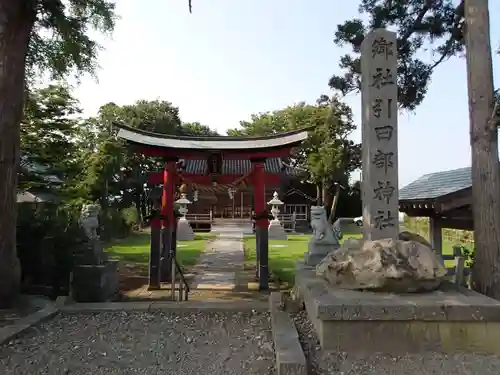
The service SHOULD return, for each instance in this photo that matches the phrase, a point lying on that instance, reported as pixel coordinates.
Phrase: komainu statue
(324, 240)
(323, 231)
(89, 220)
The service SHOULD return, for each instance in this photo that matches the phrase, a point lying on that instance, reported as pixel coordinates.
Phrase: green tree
(440, 25)
(416, 22)
(36, 36)
(48, 130)
(196, 129)
(114, 170)
(328, 155)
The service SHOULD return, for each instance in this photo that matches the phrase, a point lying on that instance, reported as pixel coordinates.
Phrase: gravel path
(323, 363)
(144, 343)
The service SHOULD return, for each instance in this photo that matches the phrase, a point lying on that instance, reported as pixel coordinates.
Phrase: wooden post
(261, 234)
(241, 204)
(435, 234)
(459, 267)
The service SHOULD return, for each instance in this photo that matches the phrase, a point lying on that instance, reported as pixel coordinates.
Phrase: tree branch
(417, 22)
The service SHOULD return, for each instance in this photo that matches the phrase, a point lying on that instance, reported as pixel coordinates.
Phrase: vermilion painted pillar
(262, 222)
(168, 220)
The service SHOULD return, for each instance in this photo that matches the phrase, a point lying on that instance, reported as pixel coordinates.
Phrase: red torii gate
(214, 149)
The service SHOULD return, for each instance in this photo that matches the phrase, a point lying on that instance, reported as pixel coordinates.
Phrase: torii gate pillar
(261, 223)
(168, 222)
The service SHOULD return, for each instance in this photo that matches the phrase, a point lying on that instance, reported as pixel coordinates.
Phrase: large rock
(410, 236)
(385, 265)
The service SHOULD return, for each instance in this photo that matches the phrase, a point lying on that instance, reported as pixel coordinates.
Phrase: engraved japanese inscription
(382, 46)
(384, 133)
(383, 160)
(384, 191)
(382, 77)
(384, 219)
(379, 134)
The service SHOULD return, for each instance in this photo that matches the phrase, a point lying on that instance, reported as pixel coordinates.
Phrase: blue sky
(230, 59)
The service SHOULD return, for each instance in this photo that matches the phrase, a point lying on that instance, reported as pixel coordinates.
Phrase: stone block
(276, 231)
(446, 319)
(316, 253)
(95, 283)
(184, 230)
(10, 332)
(290, 359)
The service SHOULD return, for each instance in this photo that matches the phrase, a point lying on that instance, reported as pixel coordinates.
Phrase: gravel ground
(144, 343)
(323, 363)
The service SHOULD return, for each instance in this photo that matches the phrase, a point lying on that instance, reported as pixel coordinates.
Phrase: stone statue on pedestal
(89, 220)
(95, 278)
(323, 240)
(93, 249)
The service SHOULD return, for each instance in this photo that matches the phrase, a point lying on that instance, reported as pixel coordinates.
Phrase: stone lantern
(184, 230)
(276, 230)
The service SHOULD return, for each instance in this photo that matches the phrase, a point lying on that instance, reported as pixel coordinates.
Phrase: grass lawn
(134, 250)
(282, 260)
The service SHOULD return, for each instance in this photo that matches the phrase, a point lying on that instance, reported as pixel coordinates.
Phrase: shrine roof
(211, 143)
(438, 184)
(240, 167)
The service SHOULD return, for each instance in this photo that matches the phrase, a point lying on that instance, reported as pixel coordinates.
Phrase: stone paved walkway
(219, 263)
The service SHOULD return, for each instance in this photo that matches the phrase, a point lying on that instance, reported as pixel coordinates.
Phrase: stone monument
(184, 230)
(361, 297)
(95, 278)
(275, 229)
(383, 260)
(379, 135)
(323, 239)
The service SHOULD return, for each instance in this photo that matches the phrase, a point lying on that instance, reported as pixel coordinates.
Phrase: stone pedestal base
(90, 252)
(276, 231)
(95, 283)
(316, 253)
(446, 320)
(184, 230)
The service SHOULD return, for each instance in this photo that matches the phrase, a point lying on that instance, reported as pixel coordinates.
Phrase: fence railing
(200, 217)
(460, 271)
(454, 236)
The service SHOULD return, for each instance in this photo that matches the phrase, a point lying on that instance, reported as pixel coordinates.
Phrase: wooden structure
(214, 152)
(445, 198)
(226, 200)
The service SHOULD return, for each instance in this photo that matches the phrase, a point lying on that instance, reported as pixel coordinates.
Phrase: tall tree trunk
(16, 23)
(335, 202)
(325, 194)
(143, 209)
(319, 194)
(484, 145)
(138, 203)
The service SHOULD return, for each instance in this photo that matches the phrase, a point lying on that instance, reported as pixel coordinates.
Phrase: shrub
(131, 217)
(116, 223)
(47, 236)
